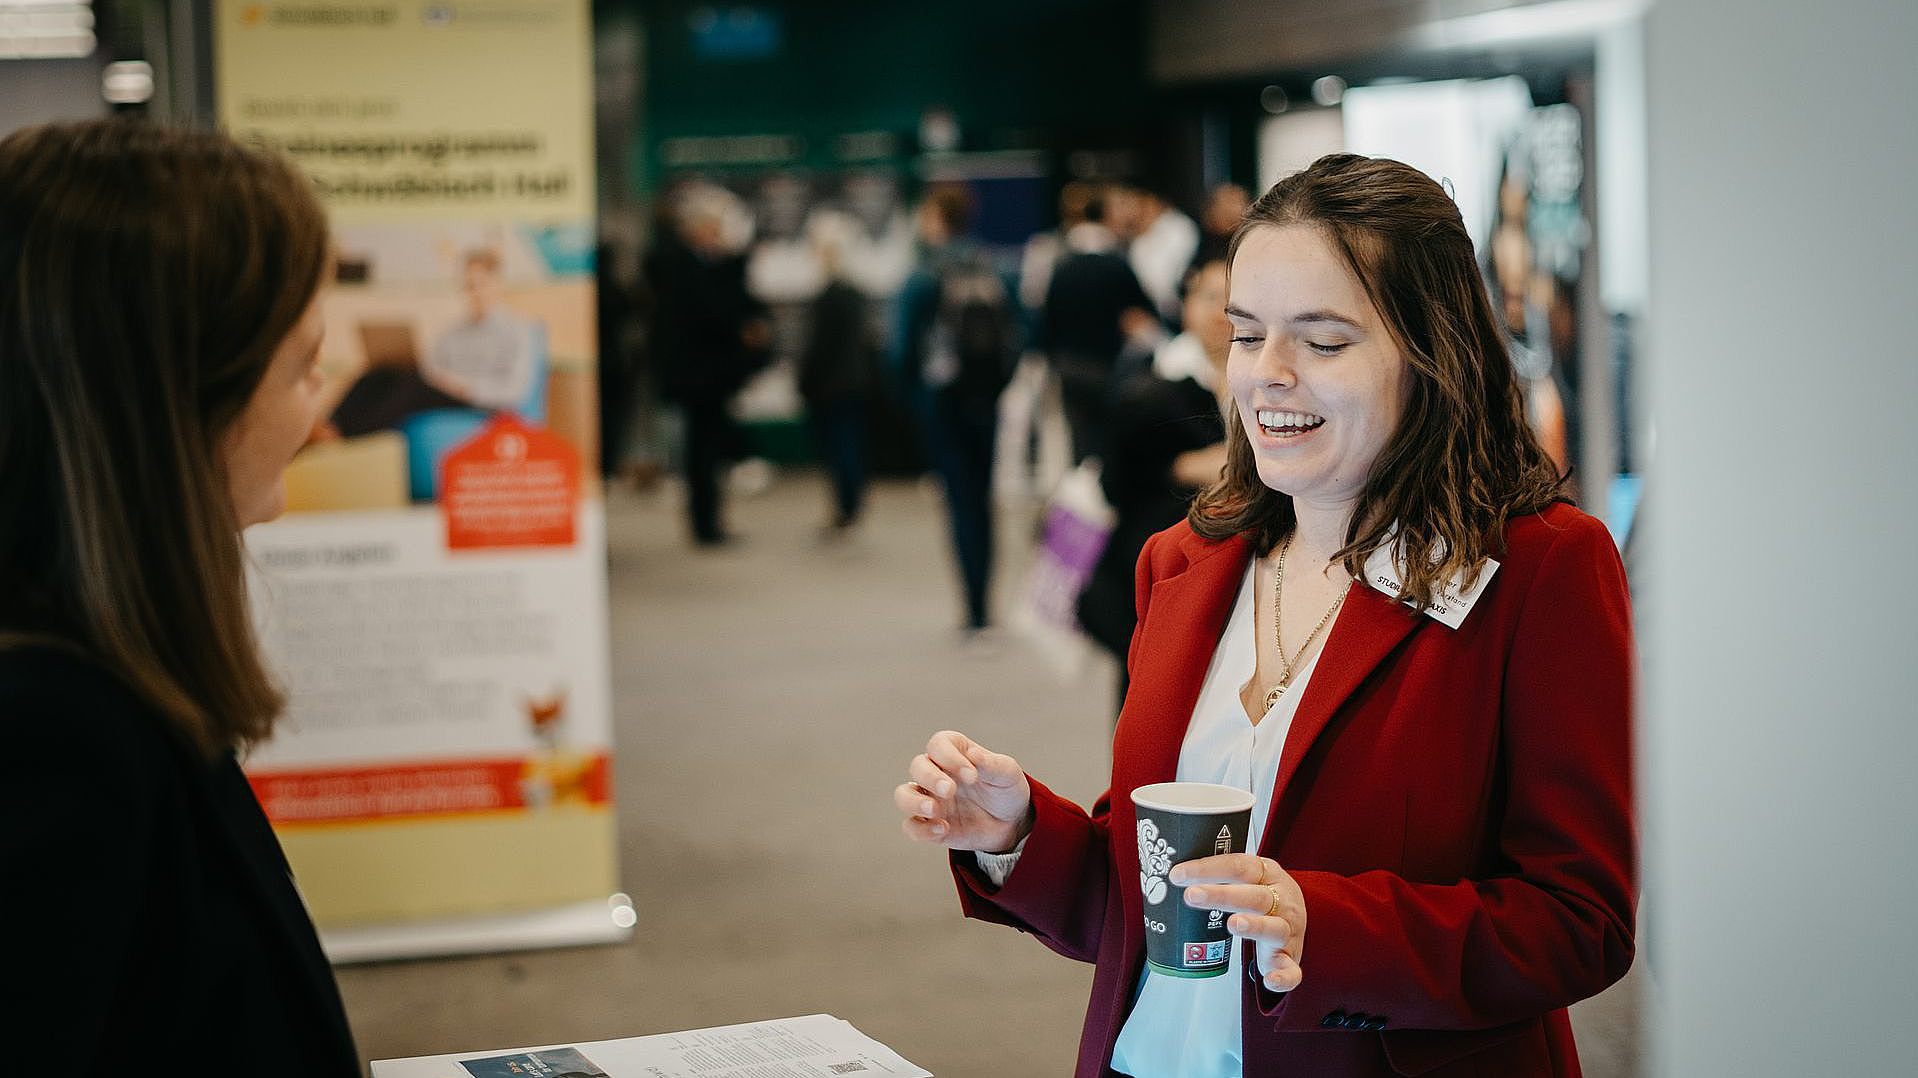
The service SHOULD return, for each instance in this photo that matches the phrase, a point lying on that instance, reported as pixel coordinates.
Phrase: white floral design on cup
(1155, 860)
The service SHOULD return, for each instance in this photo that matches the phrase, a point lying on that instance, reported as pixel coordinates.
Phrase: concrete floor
(769, 695)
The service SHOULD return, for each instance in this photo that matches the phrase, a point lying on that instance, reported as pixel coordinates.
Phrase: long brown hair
(1463, 459)
(147, 276)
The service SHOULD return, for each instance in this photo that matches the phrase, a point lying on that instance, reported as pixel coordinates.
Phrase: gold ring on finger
(1274, 910)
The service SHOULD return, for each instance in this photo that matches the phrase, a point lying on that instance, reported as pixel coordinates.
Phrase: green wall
(1019, 74)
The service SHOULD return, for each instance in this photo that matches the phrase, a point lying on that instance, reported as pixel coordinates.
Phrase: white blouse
(1189, 1028)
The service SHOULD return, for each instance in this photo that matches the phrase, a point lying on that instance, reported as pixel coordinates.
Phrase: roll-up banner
(434, 600)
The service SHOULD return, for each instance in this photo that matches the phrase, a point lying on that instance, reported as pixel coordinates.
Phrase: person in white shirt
(1387, 625)
(486, 358)
(1162, 244)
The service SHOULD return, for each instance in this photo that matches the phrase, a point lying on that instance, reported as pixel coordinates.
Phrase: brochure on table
(815, 1046)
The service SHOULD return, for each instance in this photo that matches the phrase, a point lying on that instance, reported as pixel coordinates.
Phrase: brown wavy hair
(147, 276)
(1463, 459)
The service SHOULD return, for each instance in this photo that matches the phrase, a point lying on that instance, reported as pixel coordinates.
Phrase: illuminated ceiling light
(1328, 91)
(45, 29)
(1560, 20)
(127, 82)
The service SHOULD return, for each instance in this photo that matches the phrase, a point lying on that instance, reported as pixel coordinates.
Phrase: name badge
(1452, 602)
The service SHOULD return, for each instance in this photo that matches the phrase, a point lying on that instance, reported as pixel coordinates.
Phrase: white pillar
(1781, 728)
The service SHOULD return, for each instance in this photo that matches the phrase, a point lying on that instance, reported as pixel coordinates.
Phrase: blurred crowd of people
(1110, 321)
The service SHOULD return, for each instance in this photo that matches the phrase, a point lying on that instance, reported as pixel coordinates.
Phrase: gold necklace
(1278, 629)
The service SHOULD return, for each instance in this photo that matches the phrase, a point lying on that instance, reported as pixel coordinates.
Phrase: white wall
(1781, 732)
(1456, 132)
(1293, 140)
(1621, 138)
(41, 91)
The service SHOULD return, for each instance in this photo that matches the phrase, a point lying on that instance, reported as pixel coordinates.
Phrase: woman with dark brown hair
(1384, 624)
(159, 331)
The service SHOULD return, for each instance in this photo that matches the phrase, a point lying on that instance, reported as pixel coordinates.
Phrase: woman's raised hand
(963, 796)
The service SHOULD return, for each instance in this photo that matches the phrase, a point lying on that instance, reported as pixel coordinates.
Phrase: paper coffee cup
(1184, 821)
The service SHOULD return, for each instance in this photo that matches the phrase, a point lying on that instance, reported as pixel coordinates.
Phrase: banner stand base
(594, 921)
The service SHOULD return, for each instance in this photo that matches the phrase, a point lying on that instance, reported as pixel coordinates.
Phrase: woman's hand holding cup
(1266, 904)
(963, 796)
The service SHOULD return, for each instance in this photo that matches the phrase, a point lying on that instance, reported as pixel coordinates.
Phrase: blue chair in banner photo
(431, 435)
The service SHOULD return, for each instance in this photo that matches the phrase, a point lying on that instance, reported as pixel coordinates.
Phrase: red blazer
(1455, 803)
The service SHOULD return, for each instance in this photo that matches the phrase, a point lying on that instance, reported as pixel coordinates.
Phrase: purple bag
(1078, 522)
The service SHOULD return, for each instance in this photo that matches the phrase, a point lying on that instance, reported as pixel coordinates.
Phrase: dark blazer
(702, 307)
(1150, 422)
(1088, 294)
(1454, 803)
(841, 359)
(151, 922)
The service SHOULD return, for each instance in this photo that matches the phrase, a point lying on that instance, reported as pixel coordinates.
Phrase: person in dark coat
(159, 335)
(1092, 302)
(838, 371)
(956, 342)
(1167, 440)
(709, 338)
(619, 363)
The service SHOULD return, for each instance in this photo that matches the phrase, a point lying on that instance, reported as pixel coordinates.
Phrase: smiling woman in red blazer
(1386, 624)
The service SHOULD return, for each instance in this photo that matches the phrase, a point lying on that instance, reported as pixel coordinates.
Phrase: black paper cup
(1184, 821)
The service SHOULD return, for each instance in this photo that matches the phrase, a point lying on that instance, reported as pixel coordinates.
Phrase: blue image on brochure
(552, 1063)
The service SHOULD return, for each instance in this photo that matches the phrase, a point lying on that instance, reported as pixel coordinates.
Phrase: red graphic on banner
(512, 485)
(433, 789)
